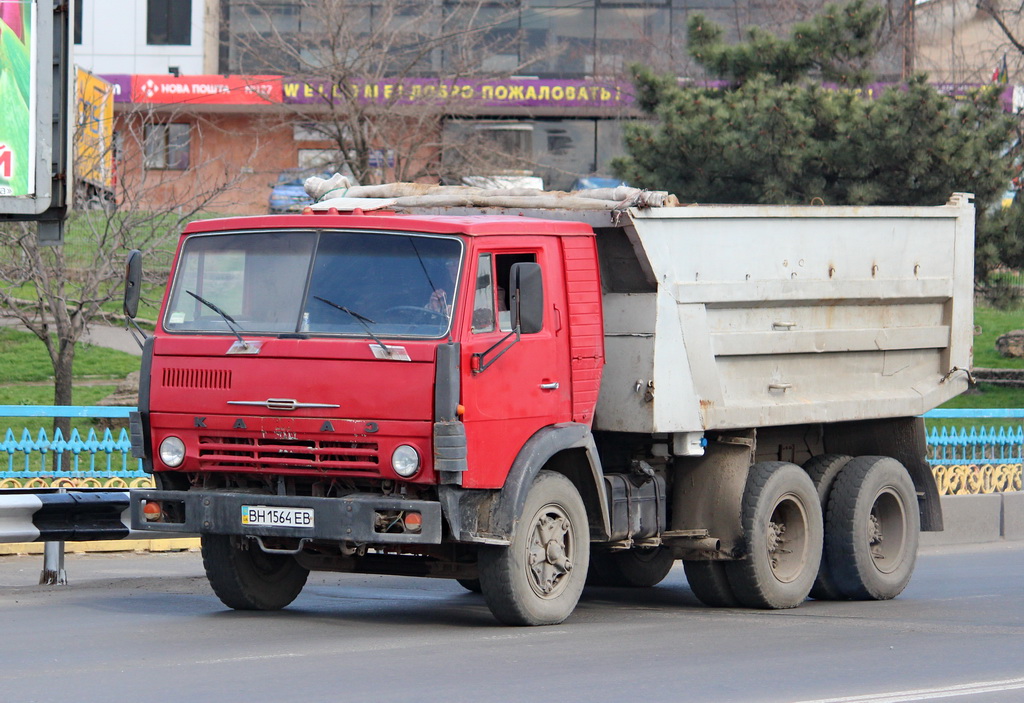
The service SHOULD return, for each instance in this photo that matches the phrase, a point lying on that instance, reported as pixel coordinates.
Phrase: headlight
(405, 461)
(172, 452)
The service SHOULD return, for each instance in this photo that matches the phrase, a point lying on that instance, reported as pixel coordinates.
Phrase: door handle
(553, 386)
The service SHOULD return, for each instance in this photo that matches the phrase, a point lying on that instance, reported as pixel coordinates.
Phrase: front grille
(272, 453)
(197, 378)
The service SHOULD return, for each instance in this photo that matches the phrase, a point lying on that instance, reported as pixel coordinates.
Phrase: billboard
(94, 130)
(18, 68)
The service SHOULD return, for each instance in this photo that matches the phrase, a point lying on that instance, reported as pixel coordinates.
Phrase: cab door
(511, 389)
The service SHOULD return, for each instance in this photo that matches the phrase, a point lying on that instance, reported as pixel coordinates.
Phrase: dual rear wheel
(838, 528)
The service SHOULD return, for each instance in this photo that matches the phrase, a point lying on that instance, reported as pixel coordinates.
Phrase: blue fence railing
(36, 459)
(974, 459)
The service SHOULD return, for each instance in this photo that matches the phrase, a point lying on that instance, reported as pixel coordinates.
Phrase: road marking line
(925, 694)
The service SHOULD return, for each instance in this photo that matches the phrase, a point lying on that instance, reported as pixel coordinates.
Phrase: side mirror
(132, 283)
(527, 297)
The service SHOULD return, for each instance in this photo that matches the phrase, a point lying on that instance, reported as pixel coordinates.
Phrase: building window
(167, 145)
(169, 22)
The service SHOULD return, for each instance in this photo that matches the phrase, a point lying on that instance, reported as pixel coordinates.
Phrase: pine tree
(776, 135)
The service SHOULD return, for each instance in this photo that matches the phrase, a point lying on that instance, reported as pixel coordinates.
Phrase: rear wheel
(873, 528)
(245, 577)
(641, 567)
(538, 578)
(782, 526)
(710, 583)
(823, 470)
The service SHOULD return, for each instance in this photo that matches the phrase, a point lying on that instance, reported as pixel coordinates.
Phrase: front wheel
(245, 577)
(538, 578)
(873, 528)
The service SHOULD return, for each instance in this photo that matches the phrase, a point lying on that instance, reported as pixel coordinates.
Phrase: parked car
(288, 194)
(591, 182)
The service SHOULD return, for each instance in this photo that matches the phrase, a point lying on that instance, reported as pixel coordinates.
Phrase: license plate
(268, 516)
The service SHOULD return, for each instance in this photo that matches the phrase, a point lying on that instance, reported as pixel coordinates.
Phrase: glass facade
(542, 38)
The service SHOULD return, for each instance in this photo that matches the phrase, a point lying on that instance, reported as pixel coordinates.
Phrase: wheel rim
(786, 543)
(551, 551)
(887, 530)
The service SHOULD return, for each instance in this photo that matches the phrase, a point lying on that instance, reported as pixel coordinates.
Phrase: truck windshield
(365, 284)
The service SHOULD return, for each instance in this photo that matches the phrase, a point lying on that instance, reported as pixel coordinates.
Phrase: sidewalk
(99, 334)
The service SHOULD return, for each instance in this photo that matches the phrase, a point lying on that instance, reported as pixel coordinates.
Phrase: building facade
(145, 36)
(235, 92)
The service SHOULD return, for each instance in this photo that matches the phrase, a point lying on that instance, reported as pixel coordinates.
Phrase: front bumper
(352, 518)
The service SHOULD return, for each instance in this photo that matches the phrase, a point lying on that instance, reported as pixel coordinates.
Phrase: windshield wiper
(362, 319)
(228, 320)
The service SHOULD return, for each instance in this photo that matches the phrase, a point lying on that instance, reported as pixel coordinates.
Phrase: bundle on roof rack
(326, 191)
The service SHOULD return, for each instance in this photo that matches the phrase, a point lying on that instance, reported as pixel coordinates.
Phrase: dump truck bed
(747, 316)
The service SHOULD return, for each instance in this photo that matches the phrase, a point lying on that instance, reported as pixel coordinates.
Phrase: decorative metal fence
(976, 459)
(102, 459)
(965, 460)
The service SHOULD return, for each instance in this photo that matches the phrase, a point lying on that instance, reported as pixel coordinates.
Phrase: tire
(823, 470)
(642, 567)
(710, 583)
(471, 585)
(873, 528)
(782, 527)
(538, 578)
(245, 577)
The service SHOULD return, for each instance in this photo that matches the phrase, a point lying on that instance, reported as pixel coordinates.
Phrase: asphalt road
(146, 627)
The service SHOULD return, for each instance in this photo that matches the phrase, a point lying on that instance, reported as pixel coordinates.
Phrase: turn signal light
(413, 522)
(152, 510)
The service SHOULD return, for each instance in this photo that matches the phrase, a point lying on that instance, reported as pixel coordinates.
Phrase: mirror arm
(128, 324)
(480, 363)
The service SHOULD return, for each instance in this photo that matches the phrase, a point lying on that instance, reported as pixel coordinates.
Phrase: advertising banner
(94, 129)
(17, 97)
(217, 90)
(511, 92)
(122, 85)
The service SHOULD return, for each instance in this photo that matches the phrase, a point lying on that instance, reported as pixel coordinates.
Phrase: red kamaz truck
(528, 399)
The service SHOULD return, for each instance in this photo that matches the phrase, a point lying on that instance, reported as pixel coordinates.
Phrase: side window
(503, 267)
(483, 298)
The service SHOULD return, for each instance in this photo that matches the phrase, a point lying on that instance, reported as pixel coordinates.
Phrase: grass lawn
(990, 323)
(27, 377)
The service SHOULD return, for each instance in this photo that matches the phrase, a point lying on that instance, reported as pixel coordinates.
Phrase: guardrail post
(53, 565)
(53, 562)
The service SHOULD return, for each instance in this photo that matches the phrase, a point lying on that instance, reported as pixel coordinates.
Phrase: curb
(124, 545)
(979, 519)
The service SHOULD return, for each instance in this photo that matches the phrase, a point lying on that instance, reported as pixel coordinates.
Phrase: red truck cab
(334, 381)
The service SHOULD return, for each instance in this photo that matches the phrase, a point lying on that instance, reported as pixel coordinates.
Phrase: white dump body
(771, 315)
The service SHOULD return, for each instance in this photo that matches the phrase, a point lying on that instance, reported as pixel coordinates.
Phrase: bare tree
(1009, 18)
(57, 291)
(376, 77)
